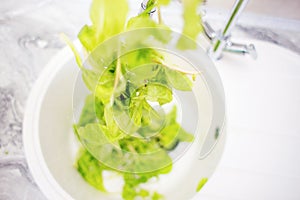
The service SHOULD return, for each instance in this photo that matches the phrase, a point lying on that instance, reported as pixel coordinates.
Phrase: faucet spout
(222, 38)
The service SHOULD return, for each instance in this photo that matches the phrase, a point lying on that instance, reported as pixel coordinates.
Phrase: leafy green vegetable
(143, 74)
(88, 38)
(145, 156)
(201, 183)
(99, 110)
(159, 31)
(157, 196)
(88, 112)
(164, 2)
(108, 19)
(140, 110)
(92, 136)
(178, 80)
(90, 78)
(74, 50)
(136, 109)
(140, 61)
(123, 127)
(131, 188)
(91, 170)
(107, 87)
(158, 93)
(192, 24)
(184, 136)
(172, 133)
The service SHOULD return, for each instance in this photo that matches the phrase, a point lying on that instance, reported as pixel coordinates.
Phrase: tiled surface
(29, 37)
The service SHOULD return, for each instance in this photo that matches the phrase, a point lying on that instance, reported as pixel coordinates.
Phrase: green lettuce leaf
(192, 24)
(173, 133)
(158, 93)
(91, 170)
(163, 2)
(105, 22)
(151, 28)
(178, 80)
(88, 114)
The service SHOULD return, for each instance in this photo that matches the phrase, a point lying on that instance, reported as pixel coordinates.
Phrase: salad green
(123, 126)
(201, 183)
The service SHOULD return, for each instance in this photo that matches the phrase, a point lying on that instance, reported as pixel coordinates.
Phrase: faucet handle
(208, 30)
(252, 51)
(241, 49)
(229, 46)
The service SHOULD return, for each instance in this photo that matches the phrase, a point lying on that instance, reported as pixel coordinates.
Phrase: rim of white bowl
(33, 153)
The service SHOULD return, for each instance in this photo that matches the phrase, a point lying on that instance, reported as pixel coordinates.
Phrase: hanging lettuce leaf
(122, 126)
(74, 50)
(192, 24)
(88, 38)
(163, 2)
(89, 77)
(105, 22)
(159, 31)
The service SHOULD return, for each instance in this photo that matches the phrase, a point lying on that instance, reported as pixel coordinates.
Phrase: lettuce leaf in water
(91, 170)
(128, 152)
(120, 129)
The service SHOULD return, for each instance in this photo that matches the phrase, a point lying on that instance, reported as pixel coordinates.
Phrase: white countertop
(261, 158)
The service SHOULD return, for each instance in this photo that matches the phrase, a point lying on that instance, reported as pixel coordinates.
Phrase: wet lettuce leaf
(123, 127)
(88, 114)
(91, 170)
(178, 80)
(108, 19)
(201, 183)
(192, 24)
(173, 133)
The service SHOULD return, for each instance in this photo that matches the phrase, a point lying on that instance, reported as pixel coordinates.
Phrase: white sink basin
(51, 146)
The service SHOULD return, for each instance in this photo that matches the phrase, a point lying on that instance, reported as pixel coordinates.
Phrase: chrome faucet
(221, 39)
